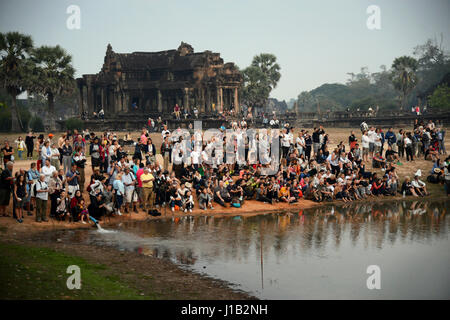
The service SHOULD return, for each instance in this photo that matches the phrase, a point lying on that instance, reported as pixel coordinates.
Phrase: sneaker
(119, 213)
(204, 209)
(83, 222)
(45, 220)
(190, 210)
(135, 210)
(173, 209)
(212, 208)
(185, 210)
(399, 163)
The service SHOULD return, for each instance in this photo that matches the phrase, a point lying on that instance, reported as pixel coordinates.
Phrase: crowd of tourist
(200, 170)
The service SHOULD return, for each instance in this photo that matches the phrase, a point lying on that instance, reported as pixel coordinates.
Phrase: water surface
(320, 253)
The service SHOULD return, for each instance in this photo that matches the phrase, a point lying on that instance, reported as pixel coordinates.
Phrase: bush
(74, 123)
(37, 125)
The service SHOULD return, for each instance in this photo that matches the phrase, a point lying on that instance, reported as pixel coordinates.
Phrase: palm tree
(54, 74)
(15, 68)
(404, 76)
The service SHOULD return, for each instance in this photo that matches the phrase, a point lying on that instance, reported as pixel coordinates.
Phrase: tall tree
(259, 79)
(15, 69)
(54, 74)
(404, 76)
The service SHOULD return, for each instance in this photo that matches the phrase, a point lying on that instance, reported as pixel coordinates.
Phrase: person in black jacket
(30, 144)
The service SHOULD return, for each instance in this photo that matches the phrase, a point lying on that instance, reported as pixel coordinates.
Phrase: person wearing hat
(129, 181)
(418, 185)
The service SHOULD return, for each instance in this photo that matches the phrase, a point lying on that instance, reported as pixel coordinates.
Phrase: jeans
(20, 154)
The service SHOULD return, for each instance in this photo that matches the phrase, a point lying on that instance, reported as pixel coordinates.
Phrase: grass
(40, 273)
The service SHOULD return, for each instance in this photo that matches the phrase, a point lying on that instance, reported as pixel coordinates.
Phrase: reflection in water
(316, 253)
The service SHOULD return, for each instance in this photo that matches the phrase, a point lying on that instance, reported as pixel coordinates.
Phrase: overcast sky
(315, 42)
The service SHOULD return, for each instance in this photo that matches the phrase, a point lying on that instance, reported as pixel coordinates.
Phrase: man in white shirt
(129, 182)
(41, 199)
(47, 170)
(164, 132)
(372, 138)
(419, 186)
(365, 146)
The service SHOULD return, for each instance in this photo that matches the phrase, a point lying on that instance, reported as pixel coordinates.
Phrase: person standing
(147, 189)
(67, 155)
(30, 144)
(166, 151)
(72, 181)
(80, 160)
(48, 170)
(8, 153)
(119, 189)
(20, 193)
(41, 199)
(20, 147)
(95, 152)
(33, 177)
(54, 159)
(39, 146)
(6, 182)
(129, 181)
(55, 186)
(46, 152)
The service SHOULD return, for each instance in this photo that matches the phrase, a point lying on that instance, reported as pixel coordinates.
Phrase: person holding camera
(41, 199)
(80, 161)
(72, 181)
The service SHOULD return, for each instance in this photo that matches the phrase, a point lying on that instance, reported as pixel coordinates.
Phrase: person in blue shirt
(390, 137)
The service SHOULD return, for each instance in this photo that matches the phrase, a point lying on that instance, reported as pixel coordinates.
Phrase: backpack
(35, 189)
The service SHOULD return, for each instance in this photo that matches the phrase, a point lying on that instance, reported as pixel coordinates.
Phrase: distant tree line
(409, 81)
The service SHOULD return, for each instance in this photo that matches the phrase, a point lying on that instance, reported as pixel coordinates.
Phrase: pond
(319, 253)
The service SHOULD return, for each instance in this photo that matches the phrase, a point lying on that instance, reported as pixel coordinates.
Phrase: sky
(315, 42)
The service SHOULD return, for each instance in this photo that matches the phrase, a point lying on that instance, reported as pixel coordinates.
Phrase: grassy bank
(40, 273)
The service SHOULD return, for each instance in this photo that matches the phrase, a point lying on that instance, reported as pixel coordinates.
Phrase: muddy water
(320, 253)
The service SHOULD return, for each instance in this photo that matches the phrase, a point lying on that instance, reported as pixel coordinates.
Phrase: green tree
(440, 99)
(404, 76)
(15, 69)
(54, 74)
(259, 79)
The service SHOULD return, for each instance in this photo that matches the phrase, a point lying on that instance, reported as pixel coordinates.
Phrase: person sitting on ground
(63, 204)
(221, 194)
(391, 155)
(407, 188)
(379, 162)
(188, 201)
(83, 213)
(419, 186)
(431, 153)
(204, 199)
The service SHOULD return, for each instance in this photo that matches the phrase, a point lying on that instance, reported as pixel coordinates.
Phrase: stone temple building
(153, 82)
